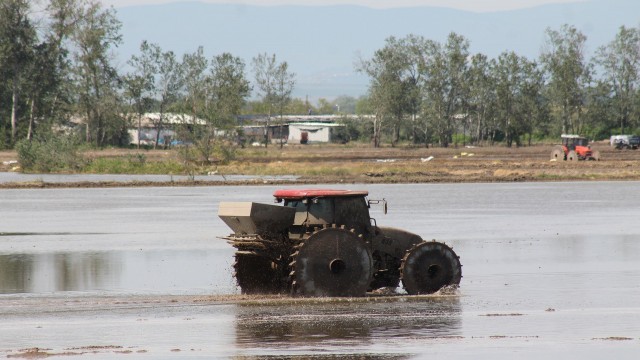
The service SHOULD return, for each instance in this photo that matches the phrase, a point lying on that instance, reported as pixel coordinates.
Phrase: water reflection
(328, 357)
(159, 271)
(22, 273)
(371, 324)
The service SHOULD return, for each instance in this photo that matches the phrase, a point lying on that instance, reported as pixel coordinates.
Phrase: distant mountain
(322, 43)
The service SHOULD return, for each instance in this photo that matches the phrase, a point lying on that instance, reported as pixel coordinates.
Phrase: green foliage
(424, 91)
(227, 152)
(345, 104)
(620, 62)
(355, 130)
(325, 107)
(460, 139)
(274, 82)
(51, 153)
(569, 76)
(134, 164)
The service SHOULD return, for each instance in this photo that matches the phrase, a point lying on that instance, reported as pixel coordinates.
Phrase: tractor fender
(393, 241)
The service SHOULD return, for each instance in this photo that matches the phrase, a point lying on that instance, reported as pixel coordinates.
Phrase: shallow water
(549, 269)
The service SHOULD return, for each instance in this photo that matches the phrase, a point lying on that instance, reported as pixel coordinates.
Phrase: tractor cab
(574, 141)
(320, 207)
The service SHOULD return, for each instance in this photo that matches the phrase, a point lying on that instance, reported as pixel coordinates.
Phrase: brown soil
(362, 164)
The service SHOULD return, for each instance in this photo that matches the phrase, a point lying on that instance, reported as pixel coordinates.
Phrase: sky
(468, 5)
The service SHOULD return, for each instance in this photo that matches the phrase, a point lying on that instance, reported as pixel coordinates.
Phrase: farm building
(145, 130)
(308, 133)
(258, 133)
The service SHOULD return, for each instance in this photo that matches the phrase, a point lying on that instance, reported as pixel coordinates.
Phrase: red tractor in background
(574, 148)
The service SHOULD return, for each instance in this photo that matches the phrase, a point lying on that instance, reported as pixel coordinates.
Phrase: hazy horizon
(466, 5)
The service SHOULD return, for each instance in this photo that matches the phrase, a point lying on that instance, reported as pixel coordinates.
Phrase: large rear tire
(332, 262)
(429, 266)
(572, 156)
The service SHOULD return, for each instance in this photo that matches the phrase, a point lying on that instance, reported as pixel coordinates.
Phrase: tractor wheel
(595, 155)
(572, 156)
(429, 266)
(332, 262)
(557, 153)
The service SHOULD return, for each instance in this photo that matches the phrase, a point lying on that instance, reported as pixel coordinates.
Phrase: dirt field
(363, 164)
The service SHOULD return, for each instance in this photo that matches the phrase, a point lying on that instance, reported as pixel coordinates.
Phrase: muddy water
(550, 269)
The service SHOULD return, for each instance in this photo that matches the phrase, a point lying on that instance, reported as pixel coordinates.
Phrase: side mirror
(383, 202)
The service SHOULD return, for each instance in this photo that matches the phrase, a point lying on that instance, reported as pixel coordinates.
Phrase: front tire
(429, 266)
(557, 154)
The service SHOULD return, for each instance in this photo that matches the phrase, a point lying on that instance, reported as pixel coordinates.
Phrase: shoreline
(338, 164)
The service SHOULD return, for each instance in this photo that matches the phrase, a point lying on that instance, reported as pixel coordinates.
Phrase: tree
(395, 76)
(285, 81)
(140, 82)
(569, 75)
(64, 15)
(264, 68)
(17, 39)
(275, 84)
(214, 99)
(42, 83)
(535, 106)
(445, 88)
(229, 89)
(194, 68)
(345, 104)
(417, 51)
(169, 81)
(299, 106)
(96, 80)
(599, 118)
(509, 82)
(620, 64)
(481, 96)
(325, 107)
(227, 96)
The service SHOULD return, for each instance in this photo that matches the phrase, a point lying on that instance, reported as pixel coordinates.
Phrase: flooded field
(549, 270)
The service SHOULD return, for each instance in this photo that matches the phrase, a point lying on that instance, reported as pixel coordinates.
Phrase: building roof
(312, 124)
(149, 119)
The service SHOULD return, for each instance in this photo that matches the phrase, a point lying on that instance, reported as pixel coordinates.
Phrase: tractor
(323, 242)
(574, 148)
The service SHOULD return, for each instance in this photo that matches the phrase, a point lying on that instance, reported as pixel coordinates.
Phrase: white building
(144, 129)
(309, 133)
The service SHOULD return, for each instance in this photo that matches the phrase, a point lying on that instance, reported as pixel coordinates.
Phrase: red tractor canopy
(295, 194)
(571, 141)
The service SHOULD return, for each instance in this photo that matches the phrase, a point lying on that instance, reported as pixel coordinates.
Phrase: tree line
(57, 69)
(430, 92)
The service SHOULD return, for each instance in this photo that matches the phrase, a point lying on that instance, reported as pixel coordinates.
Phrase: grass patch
(133, 165)
(315, 169)
(546, 176)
